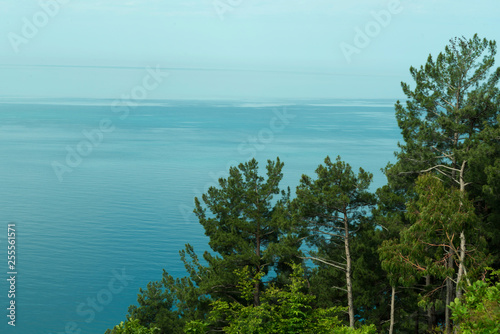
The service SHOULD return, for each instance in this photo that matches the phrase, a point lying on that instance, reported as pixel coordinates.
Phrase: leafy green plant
(132, 326)
(287, 310)
(479, 311)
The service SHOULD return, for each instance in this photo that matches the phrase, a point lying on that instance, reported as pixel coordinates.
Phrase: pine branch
(338, 266)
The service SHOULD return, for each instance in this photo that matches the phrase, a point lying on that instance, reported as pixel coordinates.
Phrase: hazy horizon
(228, 49)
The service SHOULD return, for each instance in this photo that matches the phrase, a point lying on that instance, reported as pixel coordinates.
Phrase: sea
(97, 196)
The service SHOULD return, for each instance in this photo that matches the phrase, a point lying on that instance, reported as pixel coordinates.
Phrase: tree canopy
(336, 257)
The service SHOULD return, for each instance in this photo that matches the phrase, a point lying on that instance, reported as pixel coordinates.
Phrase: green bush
(479, 310)
(286, 311)
(132, 326)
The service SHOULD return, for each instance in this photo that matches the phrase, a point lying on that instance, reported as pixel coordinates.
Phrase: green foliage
(449, 123)
(454, 98)
(484, 167)
(479, 311)
(247, 227)
(451, 140)
(450, 120)
(372, 290)
(331, 206)
(336, 190)
(132, 326)
(156, 308)
(169, 303)
(287, 310)
(438, 215)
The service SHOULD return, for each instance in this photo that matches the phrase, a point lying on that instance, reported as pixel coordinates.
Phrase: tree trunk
(391, 328)
(449, 297)
(461, 264)
(461, 177)
(350, 302)
(461, 267)
(256, 299)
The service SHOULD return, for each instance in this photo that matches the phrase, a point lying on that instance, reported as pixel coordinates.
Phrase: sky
(227, 49)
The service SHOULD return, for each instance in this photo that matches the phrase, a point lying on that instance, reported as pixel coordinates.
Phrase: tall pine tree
(247, 226)
(332, 207)
(444, 123)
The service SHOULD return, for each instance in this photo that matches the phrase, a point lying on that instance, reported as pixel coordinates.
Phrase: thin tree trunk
(461, 269)
(461, 265)
(391, 328)
(256, 299)
(462, 180)
(449, 292)
(350, 302)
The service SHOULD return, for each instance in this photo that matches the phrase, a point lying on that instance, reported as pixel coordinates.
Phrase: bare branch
(323, 261)
(449, 156)
(339, 288)
(438, 166)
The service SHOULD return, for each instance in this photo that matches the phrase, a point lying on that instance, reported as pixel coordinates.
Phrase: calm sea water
(88, 239)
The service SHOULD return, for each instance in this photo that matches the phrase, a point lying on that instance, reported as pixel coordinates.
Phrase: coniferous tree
(169, 303)
(444, 123)
(247, 226)
(429, 245)
(436, 227)
(332, 207)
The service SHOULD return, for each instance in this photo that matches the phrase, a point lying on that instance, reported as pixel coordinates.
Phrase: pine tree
(443, 122)
(332, 207)
(247, 226)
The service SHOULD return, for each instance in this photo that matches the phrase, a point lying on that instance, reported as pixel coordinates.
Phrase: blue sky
(228, 49)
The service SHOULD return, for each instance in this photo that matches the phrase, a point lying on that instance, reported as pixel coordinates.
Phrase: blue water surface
(90, 231)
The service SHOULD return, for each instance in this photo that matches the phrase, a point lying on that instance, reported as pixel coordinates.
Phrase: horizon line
(208, 69)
